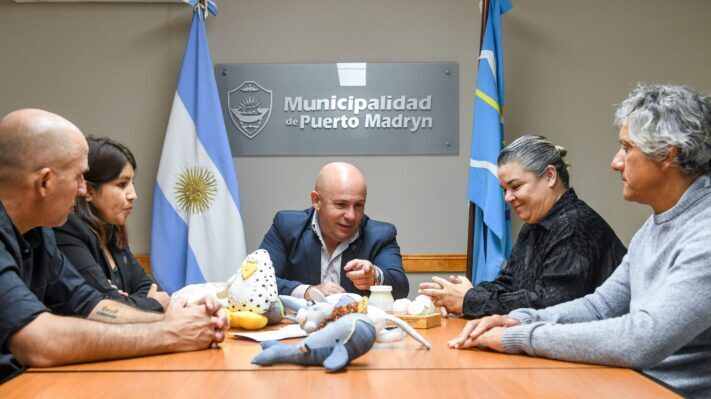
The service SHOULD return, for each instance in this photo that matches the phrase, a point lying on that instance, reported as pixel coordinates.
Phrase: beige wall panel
(112, 69)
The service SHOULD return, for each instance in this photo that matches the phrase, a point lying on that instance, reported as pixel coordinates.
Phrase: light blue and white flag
(492, 225)
(197, 234)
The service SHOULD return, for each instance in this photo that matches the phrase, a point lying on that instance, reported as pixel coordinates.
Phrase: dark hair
(535, 153)
(107, 158)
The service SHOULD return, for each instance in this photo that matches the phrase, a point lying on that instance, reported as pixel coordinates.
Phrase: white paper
(289, 331)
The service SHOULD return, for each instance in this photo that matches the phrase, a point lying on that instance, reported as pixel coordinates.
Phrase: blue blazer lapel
(312, 246)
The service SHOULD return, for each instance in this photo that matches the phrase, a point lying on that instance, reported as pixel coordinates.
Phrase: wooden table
(399, 370)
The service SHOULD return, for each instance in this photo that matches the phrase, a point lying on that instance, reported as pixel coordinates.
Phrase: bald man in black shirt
(42, 160)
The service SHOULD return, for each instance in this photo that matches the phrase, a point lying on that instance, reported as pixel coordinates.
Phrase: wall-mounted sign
(340, 109)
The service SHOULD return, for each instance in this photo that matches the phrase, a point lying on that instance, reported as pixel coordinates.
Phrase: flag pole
(470, 225)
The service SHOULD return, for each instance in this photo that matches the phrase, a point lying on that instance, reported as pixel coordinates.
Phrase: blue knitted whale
(332, 347)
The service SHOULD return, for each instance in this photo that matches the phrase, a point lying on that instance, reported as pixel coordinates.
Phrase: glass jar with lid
(381, 296)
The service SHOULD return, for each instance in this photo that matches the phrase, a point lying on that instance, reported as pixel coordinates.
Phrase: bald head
(336, 174)
(31, 139)
(42, 160)
(339, 200)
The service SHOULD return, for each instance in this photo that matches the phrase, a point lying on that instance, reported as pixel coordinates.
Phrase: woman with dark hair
(564, 251)
(95, 239)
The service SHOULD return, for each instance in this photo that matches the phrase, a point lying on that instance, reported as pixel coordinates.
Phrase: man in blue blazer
(334, 246)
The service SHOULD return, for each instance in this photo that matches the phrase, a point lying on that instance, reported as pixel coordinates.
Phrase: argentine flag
(197, 234)
(492, 225)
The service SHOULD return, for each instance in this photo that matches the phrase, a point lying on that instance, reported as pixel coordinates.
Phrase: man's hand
(491, 339)
(197, 326)
(486, 331)
(219, 314)
(161, 296)
(361, 272)
(327, 288)
(123, 293)
(449, 294)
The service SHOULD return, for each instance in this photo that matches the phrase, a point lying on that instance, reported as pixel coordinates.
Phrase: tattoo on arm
(108, 312)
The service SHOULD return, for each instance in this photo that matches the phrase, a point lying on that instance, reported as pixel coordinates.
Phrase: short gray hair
(534, 154)
(660, 117)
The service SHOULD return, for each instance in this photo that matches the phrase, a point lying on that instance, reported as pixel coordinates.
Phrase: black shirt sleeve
(137, 283)
(18, 305)
(67, 292)
(47, 281)
(83, 250)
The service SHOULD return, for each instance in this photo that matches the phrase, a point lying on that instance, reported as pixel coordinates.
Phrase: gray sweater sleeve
(639, 338)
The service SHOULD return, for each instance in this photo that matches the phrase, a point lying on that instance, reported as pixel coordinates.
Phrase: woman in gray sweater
(654, 313)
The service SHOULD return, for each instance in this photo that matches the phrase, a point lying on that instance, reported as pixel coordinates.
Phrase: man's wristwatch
(378, 276)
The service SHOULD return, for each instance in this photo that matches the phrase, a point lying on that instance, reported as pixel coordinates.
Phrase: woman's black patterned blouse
(565, 256)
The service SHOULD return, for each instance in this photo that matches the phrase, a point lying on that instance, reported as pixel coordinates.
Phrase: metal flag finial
(205, 6)
(202, 4)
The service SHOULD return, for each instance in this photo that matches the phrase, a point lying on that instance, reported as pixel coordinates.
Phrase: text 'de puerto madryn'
(340, 109)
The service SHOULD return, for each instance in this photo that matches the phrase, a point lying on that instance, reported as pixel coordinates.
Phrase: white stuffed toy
(313, 316)
(253, 288)
(250, 296)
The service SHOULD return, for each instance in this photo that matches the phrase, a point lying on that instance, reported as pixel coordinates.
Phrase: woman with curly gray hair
(654, 313)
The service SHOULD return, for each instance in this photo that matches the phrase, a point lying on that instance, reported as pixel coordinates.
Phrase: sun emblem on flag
(195, 189)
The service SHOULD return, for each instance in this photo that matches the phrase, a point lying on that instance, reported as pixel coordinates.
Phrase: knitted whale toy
(343, 327)
(332, 347)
